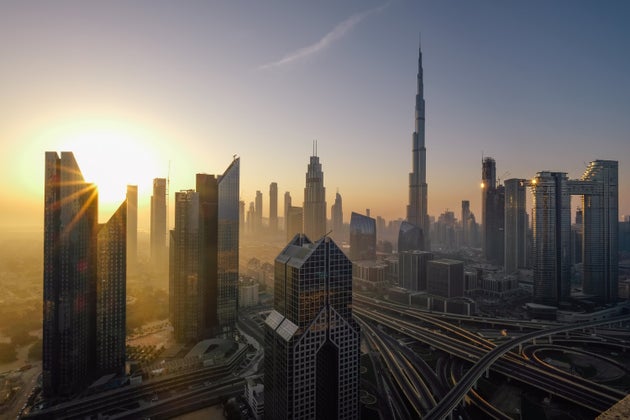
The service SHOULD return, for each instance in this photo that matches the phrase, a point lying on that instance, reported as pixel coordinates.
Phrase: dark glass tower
(336, 215)
(417, 208)
(158, 224)
(515, 225)
(362, 237)
(111, 292)
(69, 321)
(311, 339)
(492, 213)
(132, 227)
(273, 207)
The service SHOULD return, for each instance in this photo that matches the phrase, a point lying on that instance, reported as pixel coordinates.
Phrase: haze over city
(130, 87)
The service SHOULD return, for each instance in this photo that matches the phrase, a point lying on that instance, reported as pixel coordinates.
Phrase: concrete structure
(445, 278)
(369, 275)
(336, 215)
(412, 269)
(417, 209)
(311, 339)
(314, 199)
(248, 293)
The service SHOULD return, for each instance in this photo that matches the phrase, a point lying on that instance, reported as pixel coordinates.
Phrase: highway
(469, 346)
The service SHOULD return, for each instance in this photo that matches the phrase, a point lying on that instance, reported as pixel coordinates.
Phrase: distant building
(158, 225)
(369, 275)
(258, 212)
(445, 278)
(492, 213)
(311, 339)
(314, 199)
(410, 238)
(515, 225)
(412, 269)
(287, 204)
(336, 215)
(273, 207)
(466, 228)
(132, 228)
(294, 221)
(255, 395)
(248, 293)
(362, 237)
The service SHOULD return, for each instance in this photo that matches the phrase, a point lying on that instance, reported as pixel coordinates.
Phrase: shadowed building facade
(314, 199)
(311, 339)
(158, 225)
(84, 282)
(515, 225)
(362, 237)
(132, 227)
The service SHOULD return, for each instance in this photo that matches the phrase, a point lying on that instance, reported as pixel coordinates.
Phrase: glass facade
(410, 237)
(515, 225)
(311, 340)
(362, 237)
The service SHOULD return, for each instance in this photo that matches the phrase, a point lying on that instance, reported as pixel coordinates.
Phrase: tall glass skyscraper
(362, 237)
(417, 208)
(158, 224)
(84, 282)
(132, 227)
(336, 216)
(111, 292)
(311, 339)
(492, 213)
(314, 199)
(273, 207)
(69, 322)
(515, 230)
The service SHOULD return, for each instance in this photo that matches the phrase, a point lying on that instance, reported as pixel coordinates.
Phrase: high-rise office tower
(600, 204)
(251, 217)
(466, 223)
(362, 237)
(492, 213)
(336, 214)
(204, 257)
(515, 230)
(311, 339)
(417, 208)
(132, 227)
(187, 309)
(445, 277)
(314, 199)
(410, 237)
(69, 321)
(111, 292)
(287, 204)
(412, 269)
(551, 211)
(241, 214)
(552, 232)
(273, 207)
(295, 217)
(258, 210)
(158, 224)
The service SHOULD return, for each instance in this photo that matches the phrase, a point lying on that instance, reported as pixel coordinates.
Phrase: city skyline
(537, 86)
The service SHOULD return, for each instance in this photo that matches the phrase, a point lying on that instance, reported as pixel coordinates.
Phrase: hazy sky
(131, 85)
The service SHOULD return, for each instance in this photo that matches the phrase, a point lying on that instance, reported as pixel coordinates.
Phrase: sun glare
(112, 158)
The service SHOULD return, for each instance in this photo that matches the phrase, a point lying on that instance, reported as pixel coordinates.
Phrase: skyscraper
(132, 227)
(186, 296)
(158, 224)
(515, 225)
(466, 223)
(417, 208)
(84, 327)
(552, 232)
(295, 217)
(551, 211)
(111, 293)
(492, 213)
(314, 199)
(258, 211)
(336, 214)
(287, 204)
(362, 237)
(311, 339)
(204, 257)
(273, 207)
(600, 204)
(69, 321)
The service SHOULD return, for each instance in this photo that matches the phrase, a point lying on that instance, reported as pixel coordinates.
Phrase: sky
(146, 89)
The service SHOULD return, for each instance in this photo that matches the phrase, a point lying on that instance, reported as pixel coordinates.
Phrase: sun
(112, 158)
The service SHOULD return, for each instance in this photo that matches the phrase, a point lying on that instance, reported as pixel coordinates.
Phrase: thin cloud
(326, 41)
